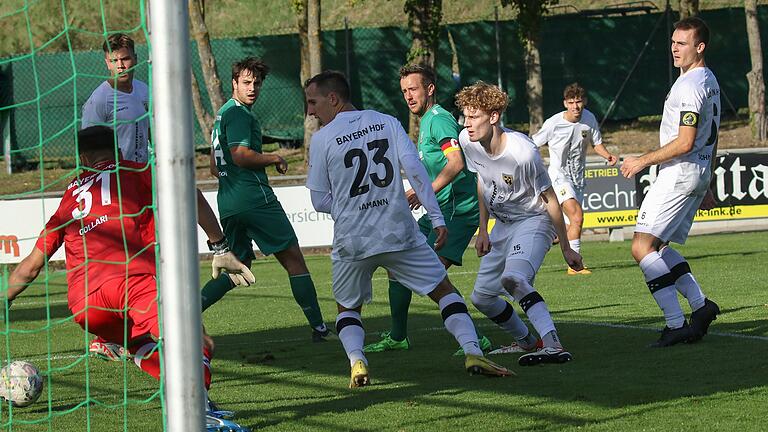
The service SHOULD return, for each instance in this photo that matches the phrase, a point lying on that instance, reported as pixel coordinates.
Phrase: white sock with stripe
(349, 327)
(685, 283)
(662, 286)
(459, 324)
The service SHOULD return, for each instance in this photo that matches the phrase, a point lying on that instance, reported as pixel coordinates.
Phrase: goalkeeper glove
(225, 260)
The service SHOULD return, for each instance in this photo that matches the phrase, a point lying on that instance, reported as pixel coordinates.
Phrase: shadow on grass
(39, 313)
(612, 368)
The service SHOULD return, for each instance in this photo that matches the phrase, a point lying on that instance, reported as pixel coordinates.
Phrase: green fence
(598, 52)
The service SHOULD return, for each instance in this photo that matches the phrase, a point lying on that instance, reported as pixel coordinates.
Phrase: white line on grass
(53, 357)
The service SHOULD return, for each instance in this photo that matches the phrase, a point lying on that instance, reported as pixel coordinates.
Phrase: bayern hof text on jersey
(376, 127)
(78, 182)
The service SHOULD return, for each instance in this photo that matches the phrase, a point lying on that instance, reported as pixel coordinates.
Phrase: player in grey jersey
(688, 138)
(354, 174)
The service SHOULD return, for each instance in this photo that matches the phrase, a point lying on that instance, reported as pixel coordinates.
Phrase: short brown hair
(699, 27)
(426, 72)
(117, 41)
(329, 81)
(574, 91)
(254, 65)
(483, 96)
(95, 139)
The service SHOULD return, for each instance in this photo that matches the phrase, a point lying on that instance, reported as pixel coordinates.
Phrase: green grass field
(268, 371)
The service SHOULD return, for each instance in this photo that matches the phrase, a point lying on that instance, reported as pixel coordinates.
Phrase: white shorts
(672, 201)
(565, 190)
(419, 269)
(527, 240)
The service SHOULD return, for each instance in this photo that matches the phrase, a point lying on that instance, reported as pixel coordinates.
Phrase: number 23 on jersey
(360, 185)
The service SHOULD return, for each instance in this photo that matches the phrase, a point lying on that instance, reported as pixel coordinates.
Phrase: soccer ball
(20, 383)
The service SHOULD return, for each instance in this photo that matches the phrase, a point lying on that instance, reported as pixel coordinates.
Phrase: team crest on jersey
(584, 133)
(689, 118)
(507, 178)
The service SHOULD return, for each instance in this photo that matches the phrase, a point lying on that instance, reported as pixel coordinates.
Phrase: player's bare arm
(25, 273)
(245, 157)
(206, 218)
(223, 259)
(442, 236)
(413, 200)
(452, 168)
(678, 147)
(483, 243)
(212, 168)
(609, 157)
(572, 258)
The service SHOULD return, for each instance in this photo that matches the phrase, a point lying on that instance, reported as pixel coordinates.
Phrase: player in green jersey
(248, 208)
(455, 188)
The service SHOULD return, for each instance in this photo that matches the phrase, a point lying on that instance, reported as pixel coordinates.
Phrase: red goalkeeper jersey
(106, 224)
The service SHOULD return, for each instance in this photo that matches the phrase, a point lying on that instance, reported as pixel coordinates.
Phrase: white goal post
(177, 215)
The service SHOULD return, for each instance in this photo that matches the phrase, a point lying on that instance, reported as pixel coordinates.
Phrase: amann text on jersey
(374, 203)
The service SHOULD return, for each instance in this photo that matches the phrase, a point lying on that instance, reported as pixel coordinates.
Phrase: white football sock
(655, 269)
(533, 305)
(494, 307)
(551, 340)
(539, 316)
(686, 284)
(575, 245)
(528, 342)
(460, 325)
(352, 336)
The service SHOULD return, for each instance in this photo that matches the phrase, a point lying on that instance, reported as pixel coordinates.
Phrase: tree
(310, 46)
(757, 109)
(529, 19)
(204, 118)
(424, 18)
(688, 8)
(199, 31)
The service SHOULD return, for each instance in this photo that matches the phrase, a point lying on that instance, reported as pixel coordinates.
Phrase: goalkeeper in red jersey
(105, 223)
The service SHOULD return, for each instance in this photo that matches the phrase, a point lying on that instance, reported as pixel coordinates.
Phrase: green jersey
(240, 189)
(459, 198)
